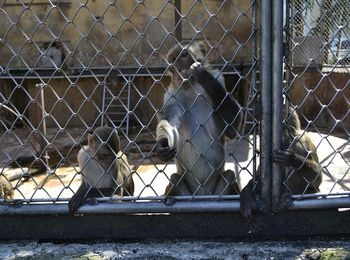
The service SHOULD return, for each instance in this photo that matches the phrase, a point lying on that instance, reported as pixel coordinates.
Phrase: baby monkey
(105, 169)
(298, 154)
(6, 190)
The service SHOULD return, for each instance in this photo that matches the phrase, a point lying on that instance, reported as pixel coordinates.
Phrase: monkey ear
(90, 138)
(116, 141)
(171, 58)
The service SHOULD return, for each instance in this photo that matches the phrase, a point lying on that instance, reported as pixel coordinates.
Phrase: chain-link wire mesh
(320, 32)
(317, 86)
(68, 67)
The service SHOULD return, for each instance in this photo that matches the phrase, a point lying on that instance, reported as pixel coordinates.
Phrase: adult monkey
(298, 154)
(191, 124)
(105, 169)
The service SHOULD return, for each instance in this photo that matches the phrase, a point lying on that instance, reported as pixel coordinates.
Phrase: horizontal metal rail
(79, 72)
(122, 208)
(140, 207)
(129, 198)
(322, 203)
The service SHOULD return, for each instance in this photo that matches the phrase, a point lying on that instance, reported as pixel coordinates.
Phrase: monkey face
(181, 57)
(180, 63)
(105, 159)
(104, 143)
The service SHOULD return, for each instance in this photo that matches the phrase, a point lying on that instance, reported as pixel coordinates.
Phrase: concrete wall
(97, 34)
(323, 99)
(66, 104)
(125, 33)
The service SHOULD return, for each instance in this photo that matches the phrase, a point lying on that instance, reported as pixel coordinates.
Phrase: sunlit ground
(151, 179)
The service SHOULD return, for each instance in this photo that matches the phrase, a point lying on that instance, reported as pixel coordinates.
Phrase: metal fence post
(42, 115)
(266, 82)
(277, 82)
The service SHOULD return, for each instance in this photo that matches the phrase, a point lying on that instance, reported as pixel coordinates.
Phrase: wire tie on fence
(169, 201)
(92, 201)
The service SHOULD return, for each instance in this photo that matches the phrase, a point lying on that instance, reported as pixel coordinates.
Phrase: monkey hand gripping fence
(200, 133)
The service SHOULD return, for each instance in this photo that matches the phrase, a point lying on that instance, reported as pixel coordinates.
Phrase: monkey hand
(164, 151)
(283, 157)
(75, 202)
(212, 87)
(246, 201)
(197, 70)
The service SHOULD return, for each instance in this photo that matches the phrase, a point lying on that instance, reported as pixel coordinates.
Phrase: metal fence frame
(154, 219)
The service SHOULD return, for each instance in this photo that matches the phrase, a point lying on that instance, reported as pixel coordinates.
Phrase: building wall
(323, 98)
(98, 34)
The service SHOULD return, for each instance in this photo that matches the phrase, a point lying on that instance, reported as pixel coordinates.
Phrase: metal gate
(68, 67)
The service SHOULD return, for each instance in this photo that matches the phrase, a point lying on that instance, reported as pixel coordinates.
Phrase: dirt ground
(179, 249)
(151, 177)
(334, 155)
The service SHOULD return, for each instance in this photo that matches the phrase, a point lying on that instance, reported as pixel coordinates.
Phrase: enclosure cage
(68, 67)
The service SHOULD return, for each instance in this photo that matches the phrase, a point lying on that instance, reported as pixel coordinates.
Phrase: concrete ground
(178, 249)
(334, 155)
(151, 176)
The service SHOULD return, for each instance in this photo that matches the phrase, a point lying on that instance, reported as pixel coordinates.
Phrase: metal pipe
(178, 24)
(43, 113)
(128, 106)
(103, 103)
(320, 195)
(161, 208)
(217, 198)
(277, 82)
(321, 203)
(123, 208)
(253, 85)
(266, 82)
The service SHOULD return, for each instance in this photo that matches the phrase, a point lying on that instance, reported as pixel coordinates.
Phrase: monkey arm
(211, 85)
(246, 200)
(78, 198)
(225, 106)
(167, 128)
(290, 159)
(124, 173)
(86, 191)
(306, 166)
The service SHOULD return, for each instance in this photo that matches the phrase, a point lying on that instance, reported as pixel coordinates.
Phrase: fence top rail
(80, 72)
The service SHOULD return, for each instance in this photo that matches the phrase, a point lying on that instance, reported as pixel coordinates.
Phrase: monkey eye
(184, 54)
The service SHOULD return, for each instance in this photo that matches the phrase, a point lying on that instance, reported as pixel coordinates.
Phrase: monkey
(6, 191)
(105, 169)
(298, 154)
(192, 129)
(54, 55)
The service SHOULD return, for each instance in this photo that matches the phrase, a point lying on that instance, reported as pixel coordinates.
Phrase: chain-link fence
(320, 24)
(69, 67)
(318, 87)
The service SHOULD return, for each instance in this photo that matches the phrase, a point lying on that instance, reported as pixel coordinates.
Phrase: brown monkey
(191, 126)
(298, 154)
(6, 191)
(105, 169)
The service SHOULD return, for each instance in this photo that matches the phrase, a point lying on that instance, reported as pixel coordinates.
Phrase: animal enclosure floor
(151, 176)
